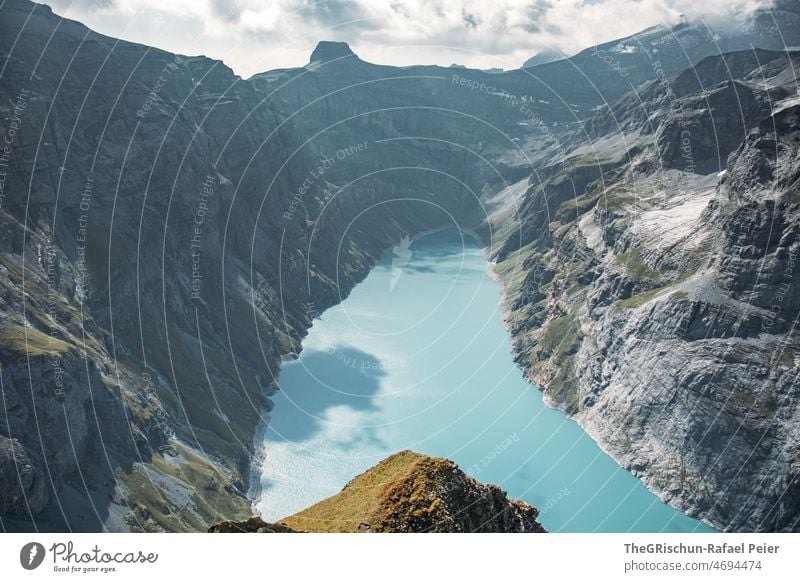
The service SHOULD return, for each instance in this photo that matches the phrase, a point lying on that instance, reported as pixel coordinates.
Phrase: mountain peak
(328, 50)
(412, 492)
(543, 57)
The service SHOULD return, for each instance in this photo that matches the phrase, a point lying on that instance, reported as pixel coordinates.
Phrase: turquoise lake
(417, 358)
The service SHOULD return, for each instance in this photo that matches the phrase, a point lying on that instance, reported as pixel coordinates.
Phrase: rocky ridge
(407, 493)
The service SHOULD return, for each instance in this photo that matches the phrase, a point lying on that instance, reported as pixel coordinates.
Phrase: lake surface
(417, 358)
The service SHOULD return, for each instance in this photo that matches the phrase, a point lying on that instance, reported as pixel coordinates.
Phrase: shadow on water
(319, 381)
(412, 269)
(426, 252)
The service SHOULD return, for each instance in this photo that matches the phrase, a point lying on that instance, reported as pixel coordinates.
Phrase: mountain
(542, 58)
(649, 286)
(130, 335)
(170, 230)
(408, 492)
(167, 240)
(663, 49)
(330, 51)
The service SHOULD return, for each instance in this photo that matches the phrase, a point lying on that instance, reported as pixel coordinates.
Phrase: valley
(643, 229)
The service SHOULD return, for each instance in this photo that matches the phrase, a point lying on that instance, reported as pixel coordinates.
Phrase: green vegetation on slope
(31, 342)
(411, 492)
(636, 267)
(364, 499)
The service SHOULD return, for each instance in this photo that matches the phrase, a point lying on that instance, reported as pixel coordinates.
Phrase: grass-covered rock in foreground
(408, 492)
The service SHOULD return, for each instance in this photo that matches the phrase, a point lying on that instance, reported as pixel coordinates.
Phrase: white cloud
(257, 35)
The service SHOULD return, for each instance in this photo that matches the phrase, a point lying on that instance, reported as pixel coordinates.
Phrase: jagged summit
(328, 50)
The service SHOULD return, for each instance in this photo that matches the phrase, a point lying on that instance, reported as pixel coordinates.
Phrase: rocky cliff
(653, 290)
(169, 232)
(408, 492)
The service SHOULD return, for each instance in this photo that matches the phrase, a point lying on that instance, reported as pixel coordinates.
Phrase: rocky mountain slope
(653, 292)
(169, 231)
(408, 492)
(164, 248)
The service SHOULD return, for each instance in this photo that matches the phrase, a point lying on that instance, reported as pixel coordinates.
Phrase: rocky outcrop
(407, 493)
(252, 525)
(329, 51)
(703, 129)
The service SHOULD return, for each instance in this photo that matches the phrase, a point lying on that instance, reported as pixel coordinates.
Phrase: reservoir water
(417, 358)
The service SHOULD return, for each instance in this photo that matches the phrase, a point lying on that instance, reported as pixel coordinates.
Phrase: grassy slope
(369, 498)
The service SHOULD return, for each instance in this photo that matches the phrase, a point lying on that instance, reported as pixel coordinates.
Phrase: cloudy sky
(257, 35)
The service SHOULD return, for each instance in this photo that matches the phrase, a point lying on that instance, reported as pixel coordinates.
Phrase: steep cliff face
(655, 296)
(56, 381)
(119, 160)
(408, 492)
